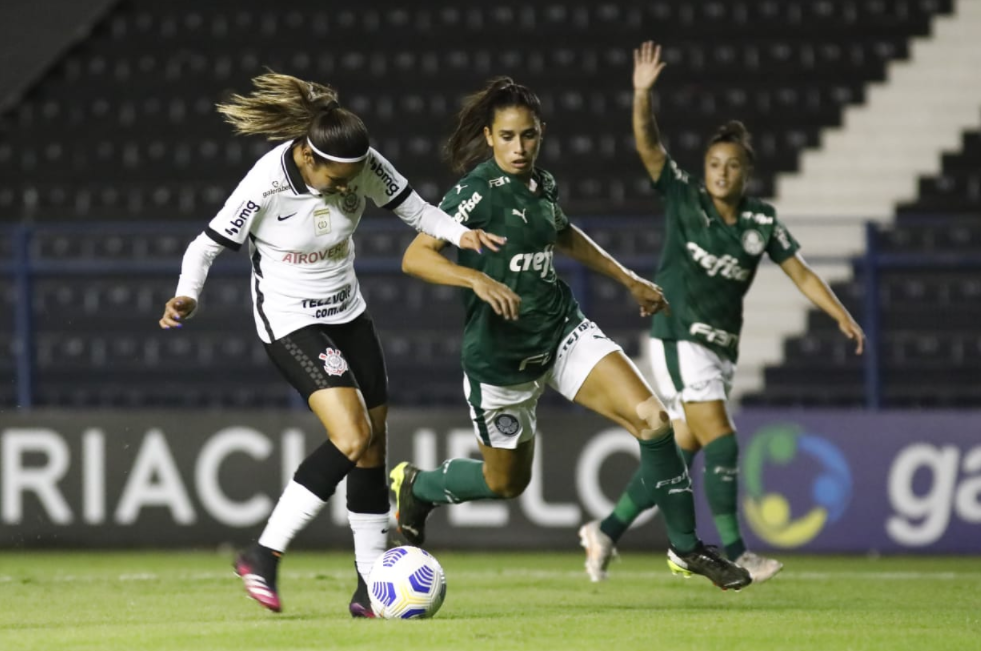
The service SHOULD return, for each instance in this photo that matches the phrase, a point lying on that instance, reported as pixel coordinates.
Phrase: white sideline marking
(786, 575)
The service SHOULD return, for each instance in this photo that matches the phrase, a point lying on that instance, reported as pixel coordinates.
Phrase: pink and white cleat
(257, 567)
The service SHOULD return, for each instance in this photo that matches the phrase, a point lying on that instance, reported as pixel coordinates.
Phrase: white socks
(295, 508)
(370, 538)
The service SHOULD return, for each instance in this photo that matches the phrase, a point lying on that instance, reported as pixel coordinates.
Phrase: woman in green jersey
(715, 236)
(524, 331)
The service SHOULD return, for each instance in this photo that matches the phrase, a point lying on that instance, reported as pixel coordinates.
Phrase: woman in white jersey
(715, 236)
(298, 207)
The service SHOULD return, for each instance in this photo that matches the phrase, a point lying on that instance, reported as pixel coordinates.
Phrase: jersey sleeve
(782, 245)
(552, 190)
(382, 183)
(561, 220)
(674, 182)
(468, 202)
(243, 208)
(427, 218)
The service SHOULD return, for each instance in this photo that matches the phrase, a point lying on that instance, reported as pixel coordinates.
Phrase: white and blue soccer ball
(406, 583)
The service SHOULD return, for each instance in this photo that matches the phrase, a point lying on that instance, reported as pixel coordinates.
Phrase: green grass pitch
(521, 601)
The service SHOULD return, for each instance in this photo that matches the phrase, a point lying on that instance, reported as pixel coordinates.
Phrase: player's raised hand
(176, 312)
(854, 332)
(499, 296)
(647, 65)
(649, 296)
(476, 239)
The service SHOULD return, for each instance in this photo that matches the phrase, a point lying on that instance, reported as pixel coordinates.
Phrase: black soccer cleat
(257, 566)
(707, 561)
(360, 606)
(410, 511)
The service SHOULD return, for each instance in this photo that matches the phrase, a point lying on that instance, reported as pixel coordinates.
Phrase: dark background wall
(33, 34)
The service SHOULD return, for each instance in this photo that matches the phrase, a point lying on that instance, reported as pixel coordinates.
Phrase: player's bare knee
(653, 420)
(355, 441)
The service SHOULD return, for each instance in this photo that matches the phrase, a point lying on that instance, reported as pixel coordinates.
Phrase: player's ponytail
(467, 145)
(281, 107)
(736, 132)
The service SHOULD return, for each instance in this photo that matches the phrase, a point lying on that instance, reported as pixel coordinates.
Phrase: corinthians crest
(351, 201)
(334, 362)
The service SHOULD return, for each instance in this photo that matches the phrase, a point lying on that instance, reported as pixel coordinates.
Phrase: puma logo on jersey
(459, 188)
(725, 265)
(540, 262)
(249, 209)
(466, 207)
(521, 214)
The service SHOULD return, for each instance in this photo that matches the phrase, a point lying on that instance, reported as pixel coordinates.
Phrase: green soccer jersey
(707, 266)
(496, 351)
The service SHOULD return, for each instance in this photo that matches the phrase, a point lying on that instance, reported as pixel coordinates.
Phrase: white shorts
(505, 416)
(684, 371)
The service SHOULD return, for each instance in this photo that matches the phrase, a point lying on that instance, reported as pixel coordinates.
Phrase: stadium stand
(124, 129)
(956, 190)
(126, 121)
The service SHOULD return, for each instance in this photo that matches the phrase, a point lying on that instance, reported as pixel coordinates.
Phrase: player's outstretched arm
(813, 287)
(578, 246)
(430, 220)
(423, 259)
(647, 68)
(200, 253)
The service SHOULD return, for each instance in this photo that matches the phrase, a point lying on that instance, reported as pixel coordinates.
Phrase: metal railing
(25, 267)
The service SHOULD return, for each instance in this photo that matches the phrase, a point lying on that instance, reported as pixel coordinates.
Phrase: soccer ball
(406, 583)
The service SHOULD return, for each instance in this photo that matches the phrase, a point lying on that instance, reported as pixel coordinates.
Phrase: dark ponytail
(282, 107)
(467, 146)
(736, 132)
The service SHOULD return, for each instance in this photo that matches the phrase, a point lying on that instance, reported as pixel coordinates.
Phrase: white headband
(337, 158)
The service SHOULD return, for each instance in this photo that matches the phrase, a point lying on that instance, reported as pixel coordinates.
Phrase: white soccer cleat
(759, 567)
(599, 550)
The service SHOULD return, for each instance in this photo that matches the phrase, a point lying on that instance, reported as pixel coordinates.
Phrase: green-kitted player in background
(524, 331)
(715, 237)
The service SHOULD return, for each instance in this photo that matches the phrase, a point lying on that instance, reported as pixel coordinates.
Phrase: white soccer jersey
(300, 240)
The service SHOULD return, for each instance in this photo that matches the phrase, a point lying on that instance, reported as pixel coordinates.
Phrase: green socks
(665, 477)
(721, 487)
(634, 501)
(456, 480)
(688, 457)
